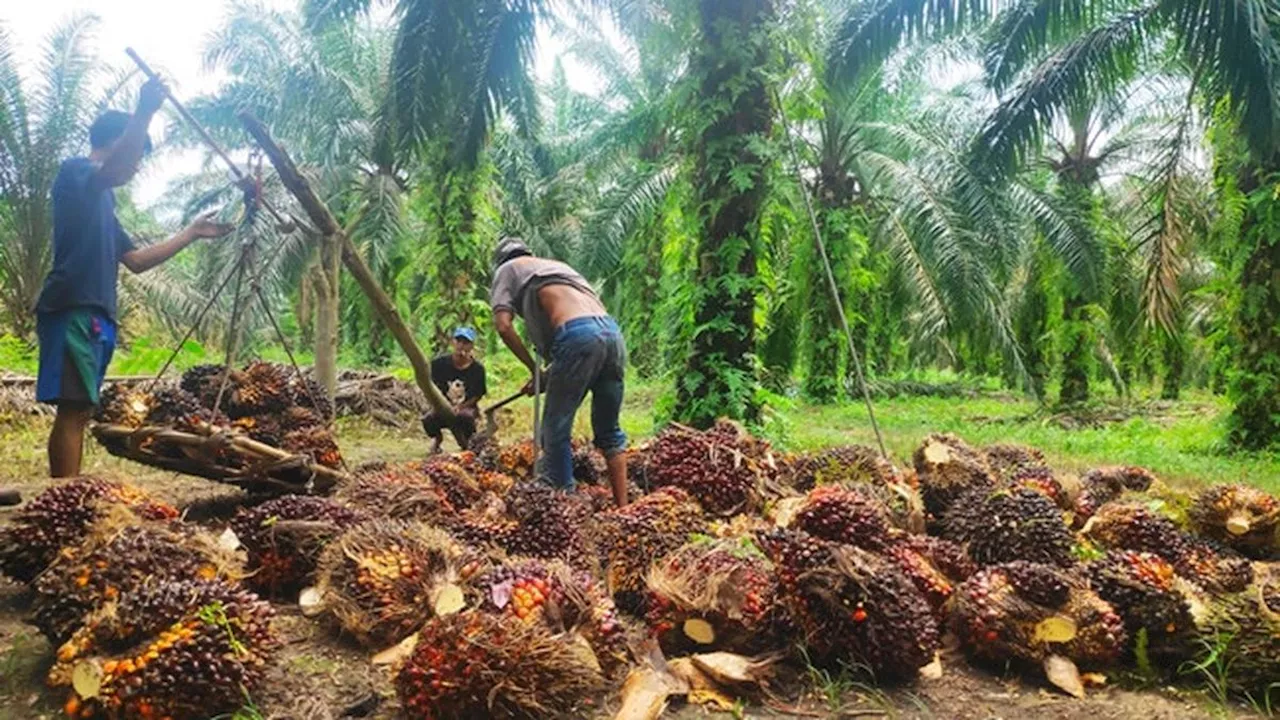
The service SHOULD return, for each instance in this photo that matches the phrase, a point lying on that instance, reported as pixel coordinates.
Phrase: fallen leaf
(1064, 675)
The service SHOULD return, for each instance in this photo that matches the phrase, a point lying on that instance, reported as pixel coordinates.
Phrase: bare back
(563, 303)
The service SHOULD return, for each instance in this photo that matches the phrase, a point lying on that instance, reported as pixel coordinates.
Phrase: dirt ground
(321, 676)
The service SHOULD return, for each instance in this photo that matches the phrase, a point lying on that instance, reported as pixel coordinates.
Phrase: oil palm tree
(457, 66)
(1068, 54)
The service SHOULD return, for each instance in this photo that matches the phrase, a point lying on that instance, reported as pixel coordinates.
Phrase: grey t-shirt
(515, 288)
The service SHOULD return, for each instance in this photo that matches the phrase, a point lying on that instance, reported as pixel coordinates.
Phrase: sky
(170, 35)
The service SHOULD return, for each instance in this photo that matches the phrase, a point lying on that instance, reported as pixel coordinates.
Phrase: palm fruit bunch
(1103, 485)
(834, 513)
(1242, 632)
(318, 442)
(714, 595)
(551, 525)
(266, 429)
(383, 579)
(477, 664)
(997, 526)
(588, 464)
(560, 598)
(846, 465)
(1007, 460)
(1241, 517)
(177, 408)
(115, 560)
(516, 460)
(452, 477)
(60, 517)
(396, 492)
(1132, 526)
(184, 650)
(309, 394)
(935, 566)
(1028, 612)
(203, 381)
(121, 404)
(283, 560)
(947, 469)
(853, 606)
(633, 536)
(722, 468)
(1146, 591)
(261, 388)
(1043, 481)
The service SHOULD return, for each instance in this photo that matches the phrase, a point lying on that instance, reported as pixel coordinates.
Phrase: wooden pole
(328, 226)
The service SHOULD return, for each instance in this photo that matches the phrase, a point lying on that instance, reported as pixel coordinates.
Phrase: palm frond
(620, 211)
(1091, 66)
(1234, 46)
(1024, 31)
(872, 30)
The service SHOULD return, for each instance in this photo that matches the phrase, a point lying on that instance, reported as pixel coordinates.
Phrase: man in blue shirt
(76, 313)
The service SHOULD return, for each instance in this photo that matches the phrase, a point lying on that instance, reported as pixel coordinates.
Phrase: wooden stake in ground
(329, 228)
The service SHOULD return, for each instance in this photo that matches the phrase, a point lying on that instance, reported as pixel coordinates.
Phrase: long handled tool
(240, 176)
(490, 414)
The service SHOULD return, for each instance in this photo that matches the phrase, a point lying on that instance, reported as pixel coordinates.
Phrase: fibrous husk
(1241, 517)
(846, 465)
(284, 537)
(397, 492)
(853, 608)
(1008, 460)
(1148, 594)
(632, 537)
(1028, 612)
(724, 468)
(476, 664)
(60, 517)
(1004, 525)
(1132, 526)
(117, 557)
(1243, 630)
(948, 468)
(178, 649)
(714, 594)
(383, 579)
(564, 600)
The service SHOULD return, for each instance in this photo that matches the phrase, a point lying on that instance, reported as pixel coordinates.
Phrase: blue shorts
(76, 346)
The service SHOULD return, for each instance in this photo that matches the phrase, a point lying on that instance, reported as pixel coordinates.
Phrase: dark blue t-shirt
(88, 243)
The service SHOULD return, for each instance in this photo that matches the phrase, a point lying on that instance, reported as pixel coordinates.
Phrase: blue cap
(465, 333)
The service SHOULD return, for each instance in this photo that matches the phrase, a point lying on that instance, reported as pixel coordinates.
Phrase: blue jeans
(587, 354)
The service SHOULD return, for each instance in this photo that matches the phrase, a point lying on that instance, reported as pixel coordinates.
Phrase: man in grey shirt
(568, 326)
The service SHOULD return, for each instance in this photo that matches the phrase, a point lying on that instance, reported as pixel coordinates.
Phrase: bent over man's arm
(504, 321)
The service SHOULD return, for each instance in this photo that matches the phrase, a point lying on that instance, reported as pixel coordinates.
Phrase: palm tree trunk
(734, 111)
(828, 347)
(327, 281)
(1255, 420)
(1174, 350)
(1077, 351)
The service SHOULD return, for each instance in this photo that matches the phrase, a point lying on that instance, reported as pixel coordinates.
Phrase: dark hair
(109, 127)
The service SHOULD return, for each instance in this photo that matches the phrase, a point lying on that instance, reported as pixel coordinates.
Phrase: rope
(831, 277)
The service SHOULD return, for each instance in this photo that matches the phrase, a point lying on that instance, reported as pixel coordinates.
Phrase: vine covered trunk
(734, 115)
(1255, 385)
(1077, 350)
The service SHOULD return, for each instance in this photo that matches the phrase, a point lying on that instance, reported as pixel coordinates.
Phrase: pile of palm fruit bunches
(267, 402)
(484, 593)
